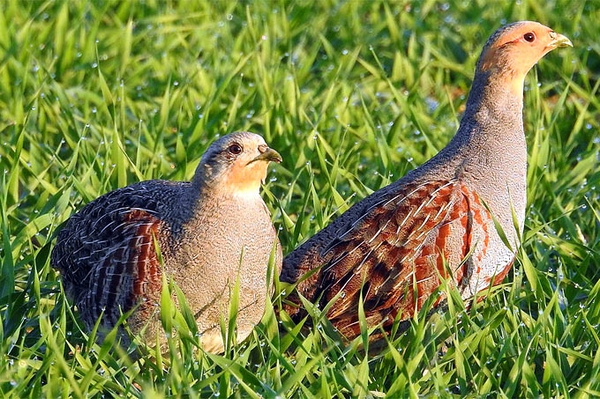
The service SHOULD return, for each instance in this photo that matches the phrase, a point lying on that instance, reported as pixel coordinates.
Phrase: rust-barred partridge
(438, 220)
(209, 232)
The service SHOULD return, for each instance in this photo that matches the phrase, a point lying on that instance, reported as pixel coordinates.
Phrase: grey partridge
(204, 234)
(438, 221)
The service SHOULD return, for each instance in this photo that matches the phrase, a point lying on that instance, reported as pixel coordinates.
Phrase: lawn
(353, 94)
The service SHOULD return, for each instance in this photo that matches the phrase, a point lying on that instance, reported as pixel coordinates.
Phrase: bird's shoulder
(399, 218)
(389, 226)
(386, 242)
(117, 225)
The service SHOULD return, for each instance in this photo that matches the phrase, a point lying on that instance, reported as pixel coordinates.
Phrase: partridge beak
(268, 154)
(559, 40)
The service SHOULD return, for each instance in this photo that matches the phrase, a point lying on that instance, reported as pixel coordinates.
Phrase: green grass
(98, 95)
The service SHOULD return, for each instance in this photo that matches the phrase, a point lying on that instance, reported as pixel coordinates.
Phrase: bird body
(438, 221)
(204, 234)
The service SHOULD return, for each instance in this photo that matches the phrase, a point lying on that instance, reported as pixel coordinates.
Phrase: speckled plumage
(209, 232)
(437, 221)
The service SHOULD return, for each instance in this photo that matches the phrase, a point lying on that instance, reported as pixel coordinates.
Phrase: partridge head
(437, 222)
(212, 234)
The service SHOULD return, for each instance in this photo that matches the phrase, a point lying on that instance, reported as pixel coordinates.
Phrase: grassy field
(98, 95)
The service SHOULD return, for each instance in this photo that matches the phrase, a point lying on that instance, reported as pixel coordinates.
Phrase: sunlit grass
(353, 95)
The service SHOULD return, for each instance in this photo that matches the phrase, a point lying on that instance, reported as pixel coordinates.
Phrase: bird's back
(107, 252)
(392, 247)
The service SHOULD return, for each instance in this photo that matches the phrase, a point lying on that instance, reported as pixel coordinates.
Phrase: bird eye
(529, 37)
(235, 149)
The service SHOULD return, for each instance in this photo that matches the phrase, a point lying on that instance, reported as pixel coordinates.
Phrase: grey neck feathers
(493, 117)
(492, 105)
(205, 178)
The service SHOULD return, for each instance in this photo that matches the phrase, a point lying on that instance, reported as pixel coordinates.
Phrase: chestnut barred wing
(396, 253)
(108, 256)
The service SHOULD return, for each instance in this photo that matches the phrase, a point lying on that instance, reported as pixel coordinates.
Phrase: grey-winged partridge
(209, 232)
(438, 220)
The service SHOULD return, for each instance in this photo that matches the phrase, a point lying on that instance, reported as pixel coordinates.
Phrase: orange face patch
(515, 52)
(245, 176)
